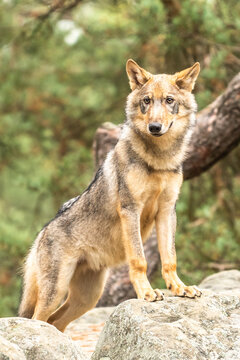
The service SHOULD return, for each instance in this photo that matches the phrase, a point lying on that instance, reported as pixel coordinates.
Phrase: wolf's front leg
(130, 221)
(166, 227)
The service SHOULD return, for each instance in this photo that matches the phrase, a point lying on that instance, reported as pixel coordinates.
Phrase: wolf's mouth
(157, 135)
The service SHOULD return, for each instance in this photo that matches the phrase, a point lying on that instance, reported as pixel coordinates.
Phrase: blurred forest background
(63, 74)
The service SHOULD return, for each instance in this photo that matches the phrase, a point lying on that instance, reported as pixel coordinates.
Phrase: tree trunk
(216, 133)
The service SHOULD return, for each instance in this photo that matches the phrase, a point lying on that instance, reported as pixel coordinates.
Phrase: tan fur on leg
(85, 290)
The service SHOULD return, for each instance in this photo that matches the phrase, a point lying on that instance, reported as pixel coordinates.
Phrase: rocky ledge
(206, 328)
(177, 328)
(24, 339)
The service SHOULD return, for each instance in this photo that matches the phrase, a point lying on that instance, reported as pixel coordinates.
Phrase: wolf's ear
(137, 76)
(186, 79)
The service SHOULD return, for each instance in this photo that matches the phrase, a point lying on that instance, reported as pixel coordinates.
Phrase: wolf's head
(160, 103)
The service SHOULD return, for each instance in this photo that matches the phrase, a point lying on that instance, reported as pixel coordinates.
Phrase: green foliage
(62, 76)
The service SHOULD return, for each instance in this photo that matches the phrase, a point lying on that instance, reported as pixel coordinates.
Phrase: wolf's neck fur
(166, 152)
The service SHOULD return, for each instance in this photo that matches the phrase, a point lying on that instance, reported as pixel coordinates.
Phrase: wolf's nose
(154, 127)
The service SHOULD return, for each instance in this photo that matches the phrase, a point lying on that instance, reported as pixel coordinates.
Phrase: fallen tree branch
(217, 131)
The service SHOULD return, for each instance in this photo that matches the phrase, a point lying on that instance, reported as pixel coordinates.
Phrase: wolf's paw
(153, 295)
(186, 291)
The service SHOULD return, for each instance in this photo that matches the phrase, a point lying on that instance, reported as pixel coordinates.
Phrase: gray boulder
(173, 329)
(223, 281)
(24, 339)
(10, 351)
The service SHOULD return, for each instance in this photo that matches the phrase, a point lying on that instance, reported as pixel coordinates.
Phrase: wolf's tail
(30, 287)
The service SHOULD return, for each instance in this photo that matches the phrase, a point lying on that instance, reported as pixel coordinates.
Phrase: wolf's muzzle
(155, 128)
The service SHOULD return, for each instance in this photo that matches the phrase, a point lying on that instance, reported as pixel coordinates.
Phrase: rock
(22, 339)
(10, 351)
(223, 281)
(176, 328)
(173, 329)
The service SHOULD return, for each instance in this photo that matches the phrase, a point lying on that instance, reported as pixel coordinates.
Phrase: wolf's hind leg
(85, 289)
(53, 283)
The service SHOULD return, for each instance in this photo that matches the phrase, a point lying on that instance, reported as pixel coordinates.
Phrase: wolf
(136, 188)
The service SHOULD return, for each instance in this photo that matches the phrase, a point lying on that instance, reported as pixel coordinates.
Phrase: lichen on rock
(22, 339)
(174, 329)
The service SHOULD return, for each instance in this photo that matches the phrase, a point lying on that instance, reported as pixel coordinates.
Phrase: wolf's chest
(145, 187)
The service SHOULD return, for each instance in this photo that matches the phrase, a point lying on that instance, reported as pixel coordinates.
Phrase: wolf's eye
(147, 100)
(169, 100)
